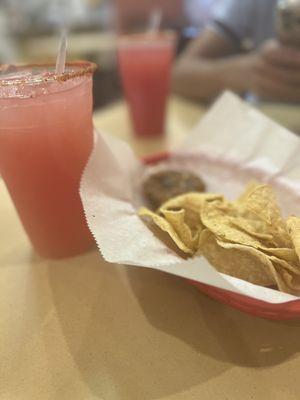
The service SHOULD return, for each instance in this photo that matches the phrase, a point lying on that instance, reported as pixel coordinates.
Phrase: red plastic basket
(259, 308)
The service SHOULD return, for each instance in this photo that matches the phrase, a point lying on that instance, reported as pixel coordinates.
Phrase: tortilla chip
(236, 260)
(261, 200)
(249, 189)
(164, 225)
(286, 281)
(177, 221)
(222, 219)
(191, 203)
(253, 228)
(288, 255)
(293, 225)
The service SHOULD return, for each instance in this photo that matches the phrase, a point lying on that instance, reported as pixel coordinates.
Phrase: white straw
(61, 55)
(155, 20)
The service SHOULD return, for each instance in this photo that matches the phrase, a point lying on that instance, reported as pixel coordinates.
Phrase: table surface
(84, 329)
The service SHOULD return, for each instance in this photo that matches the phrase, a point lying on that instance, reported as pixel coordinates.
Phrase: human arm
(211, 65)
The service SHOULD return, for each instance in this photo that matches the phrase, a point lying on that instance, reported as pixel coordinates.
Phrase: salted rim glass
(23, 81)
(38, 73)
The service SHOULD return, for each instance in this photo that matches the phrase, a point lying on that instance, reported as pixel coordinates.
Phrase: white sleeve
(234, 18)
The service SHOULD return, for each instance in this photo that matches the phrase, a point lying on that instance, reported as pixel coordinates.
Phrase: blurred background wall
(29, 31)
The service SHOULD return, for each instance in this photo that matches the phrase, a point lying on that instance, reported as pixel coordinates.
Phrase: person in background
(198, 13)
(239, 51)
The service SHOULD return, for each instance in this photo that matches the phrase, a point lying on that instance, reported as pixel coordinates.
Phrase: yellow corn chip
(164, 225)
(236, 260)
(293, 225)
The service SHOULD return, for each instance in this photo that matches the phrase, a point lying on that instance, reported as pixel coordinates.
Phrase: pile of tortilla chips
(246, 238)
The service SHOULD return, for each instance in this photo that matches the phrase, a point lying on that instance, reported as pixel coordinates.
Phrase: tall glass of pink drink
(145, 65)
(46, 136)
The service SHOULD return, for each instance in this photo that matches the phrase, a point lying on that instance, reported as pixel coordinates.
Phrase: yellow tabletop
(182, 116)
(82, 329)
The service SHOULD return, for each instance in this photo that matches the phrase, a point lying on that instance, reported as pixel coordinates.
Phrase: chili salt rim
(84, 68)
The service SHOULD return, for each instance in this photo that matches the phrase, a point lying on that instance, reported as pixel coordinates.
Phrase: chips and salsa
(247, 238)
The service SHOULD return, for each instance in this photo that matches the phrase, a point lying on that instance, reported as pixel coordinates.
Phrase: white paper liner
(231, 145)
